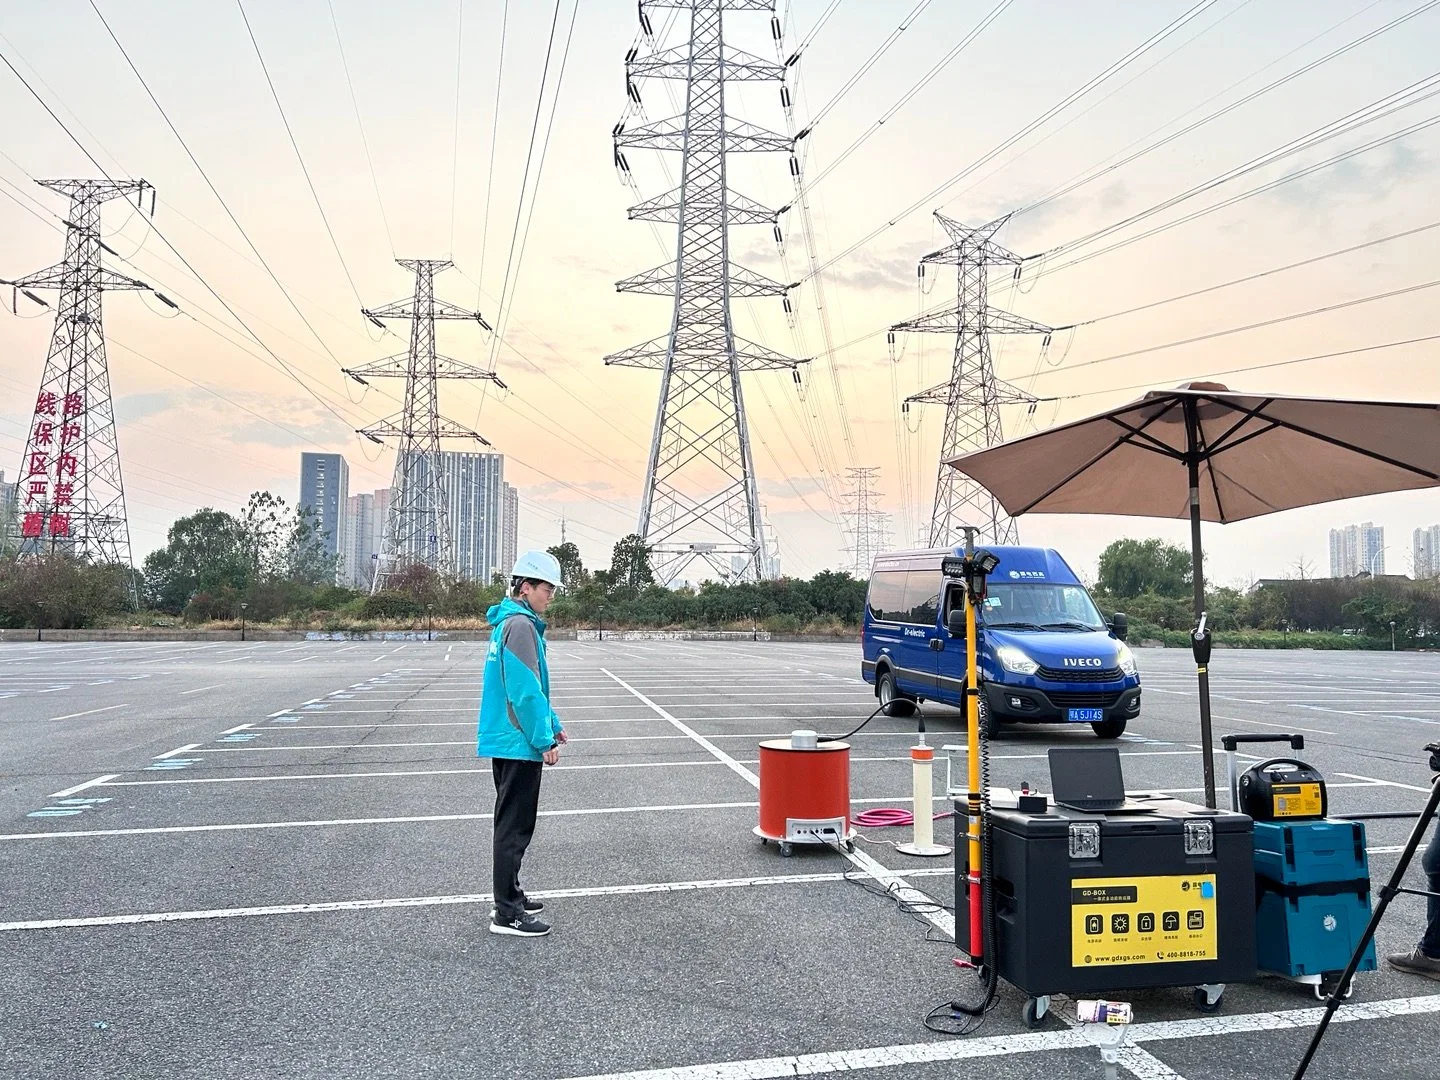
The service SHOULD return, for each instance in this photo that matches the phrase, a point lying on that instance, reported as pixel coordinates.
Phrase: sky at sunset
(207, 414)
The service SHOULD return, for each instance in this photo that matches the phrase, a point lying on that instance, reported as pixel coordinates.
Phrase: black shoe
(523, 926)
(532, 907)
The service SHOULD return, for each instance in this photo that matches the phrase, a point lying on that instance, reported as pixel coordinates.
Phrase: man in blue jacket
(519, 732)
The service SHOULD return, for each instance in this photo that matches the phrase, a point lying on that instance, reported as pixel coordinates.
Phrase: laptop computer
(1090, 780)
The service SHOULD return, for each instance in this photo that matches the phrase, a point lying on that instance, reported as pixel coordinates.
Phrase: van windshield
(1041, 606)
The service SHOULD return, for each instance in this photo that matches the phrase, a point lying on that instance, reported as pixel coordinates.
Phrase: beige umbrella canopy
(1208, 453)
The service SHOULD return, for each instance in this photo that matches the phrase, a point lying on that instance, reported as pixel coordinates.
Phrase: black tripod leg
(1387, 893)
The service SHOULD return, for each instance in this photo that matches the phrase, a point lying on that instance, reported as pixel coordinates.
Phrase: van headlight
(1015, 661)
(1125, 658)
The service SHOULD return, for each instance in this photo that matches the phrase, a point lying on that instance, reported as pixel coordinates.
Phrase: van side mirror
(1120, 625)
(955, 623)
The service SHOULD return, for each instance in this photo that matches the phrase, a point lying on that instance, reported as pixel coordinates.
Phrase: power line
(455, 132)
(1325, 309)
(359, 123)
(525, 177)
(85, 150)
(494, 134)
(1073, 185)
(210, 184)
(1049, 113)
(1262, 274)
(904, 98)
(295, 145)
(1358, 350)
(502, 320)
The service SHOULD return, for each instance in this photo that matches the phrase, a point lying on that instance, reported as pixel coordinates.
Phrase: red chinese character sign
(46, 404)
(59, 524)
(74, 404)
(31, 525)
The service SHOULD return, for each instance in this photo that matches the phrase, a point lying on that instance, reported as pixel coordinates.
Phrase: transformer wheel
(786, 848)
(1203, 1003)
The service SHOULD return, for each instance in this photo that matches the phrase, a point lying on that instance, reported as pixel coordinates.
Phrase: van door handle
(936, 644)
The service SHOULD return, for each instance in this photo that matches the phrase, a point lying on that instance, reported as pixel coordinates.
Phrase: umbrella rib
(1373, 455)
(1131, 431)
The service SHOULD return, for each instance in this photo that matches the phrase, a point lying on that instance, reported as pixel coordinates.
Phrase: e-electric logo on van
(1027, 575)
(1084, 661)
(915, 632)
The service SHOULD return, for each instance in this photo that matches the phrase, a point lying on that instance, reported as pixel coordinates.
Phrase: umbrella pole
(1200, 638)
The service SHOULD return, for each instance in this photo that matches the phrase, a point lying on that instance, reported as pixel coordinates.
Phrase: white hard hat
(540, 565)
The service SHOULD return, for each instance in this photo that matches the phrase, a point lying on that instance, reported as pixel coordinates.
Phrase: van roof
(1016, 563)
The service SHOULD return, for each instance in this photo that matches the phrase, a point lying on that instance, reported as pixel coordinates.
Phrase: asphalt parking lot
(272, 860)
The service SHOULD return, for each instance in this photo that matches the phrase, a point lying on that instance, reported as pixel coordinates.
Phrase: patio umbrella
(1208, 453)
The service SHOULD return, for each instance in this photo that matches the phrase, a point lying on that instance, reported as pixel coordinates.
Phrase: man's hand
(551, 756)
(561, 738)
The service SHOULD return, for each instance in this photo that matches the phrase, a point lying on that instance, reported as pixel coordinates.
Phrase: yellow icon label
(1296, 800)
(1142, 920)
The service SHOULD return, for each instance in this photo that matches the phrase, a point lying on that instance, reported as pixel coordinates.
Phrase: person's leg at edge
(517, 800)
(1424, 959)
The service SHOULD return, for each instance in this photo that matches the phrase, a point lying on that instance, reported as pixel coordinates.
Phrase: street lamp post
(600, 634)
(39, 620)
(242, 621)
(1392, 635)
(429, 622)
(754, 624)
(1375, 555)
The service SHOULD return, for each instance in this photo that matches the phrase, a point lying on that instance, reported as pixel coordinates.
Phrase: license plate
(1085, 716)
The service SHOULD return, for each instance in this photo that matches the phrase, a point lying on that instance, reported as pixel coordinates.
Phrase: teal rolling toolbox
(1312, 874)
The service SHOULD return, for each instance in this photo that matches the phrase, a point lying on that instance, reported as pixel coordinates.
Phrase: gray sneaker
(1415, 962)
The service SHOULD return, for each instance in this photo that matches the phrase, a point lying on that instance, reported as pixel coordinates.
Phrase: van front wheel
(1110, 729)
(892, 702)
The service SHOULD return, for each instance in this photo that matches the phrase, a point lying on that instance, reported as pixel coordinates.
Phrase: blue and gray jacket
(516, 720)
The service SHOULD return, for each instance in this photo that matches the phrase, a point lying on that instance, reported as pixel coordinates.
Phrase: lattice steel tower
(973, 396)
(417, 529)
(868, 523)
(70, 497)
(700, 500)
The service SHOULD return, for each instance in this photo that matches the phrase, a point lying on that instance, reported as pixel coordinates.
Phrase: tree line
(268, 563)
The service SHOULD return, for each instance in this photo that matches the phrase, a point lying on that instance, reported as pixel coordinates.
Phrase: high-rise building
(1357, 549)
(474, 486)
(325, 489)
(355, 564)
(510, 531)
(364, 535)
(1425, 552)
(7, 506)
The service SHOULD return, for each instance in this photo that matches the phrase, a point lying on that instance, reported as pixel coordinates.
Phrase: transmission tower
(417, 529)
(70, 498)
(700, 499)
(868, 524)
(973, 396)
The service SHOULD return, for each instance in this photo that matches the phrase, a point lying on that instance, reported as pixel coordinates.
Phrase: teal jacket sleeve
(525, 702)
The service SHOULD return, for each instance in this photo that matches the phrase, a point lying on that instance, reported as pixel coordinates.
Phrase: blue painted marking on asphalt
(286, 720)
(316, 706)
(79, 802)
(55, 811)
(170, 764)
(239, 737)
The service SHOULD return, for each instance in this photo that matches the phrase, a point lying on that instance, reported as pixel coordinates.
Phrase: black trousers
(517, 800)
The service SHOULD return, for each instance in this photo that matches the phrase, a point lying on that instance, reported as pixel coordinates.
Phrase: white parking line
(81, 787)
(895, 1056)
(177, 750)
(198, 689)
(436, 901)
(87, 712)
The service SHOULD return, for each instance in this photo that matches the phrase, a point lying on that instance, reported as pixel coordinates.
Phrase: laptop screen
(1093, 773)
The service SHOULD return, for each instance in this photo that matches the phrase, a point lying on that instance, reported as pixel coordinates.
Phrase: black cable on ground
(852, 731)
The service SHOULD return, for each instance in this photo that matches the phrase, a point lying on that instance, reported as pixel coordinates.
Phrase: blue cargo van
(1045, 653)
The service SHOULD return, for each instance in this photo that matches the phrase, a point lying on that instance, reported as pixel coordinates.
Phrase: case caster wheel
(1034, 1010)
(786, 849)
(764, 841)
(1325, 987)
(1204, 1002)
(850, 845)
